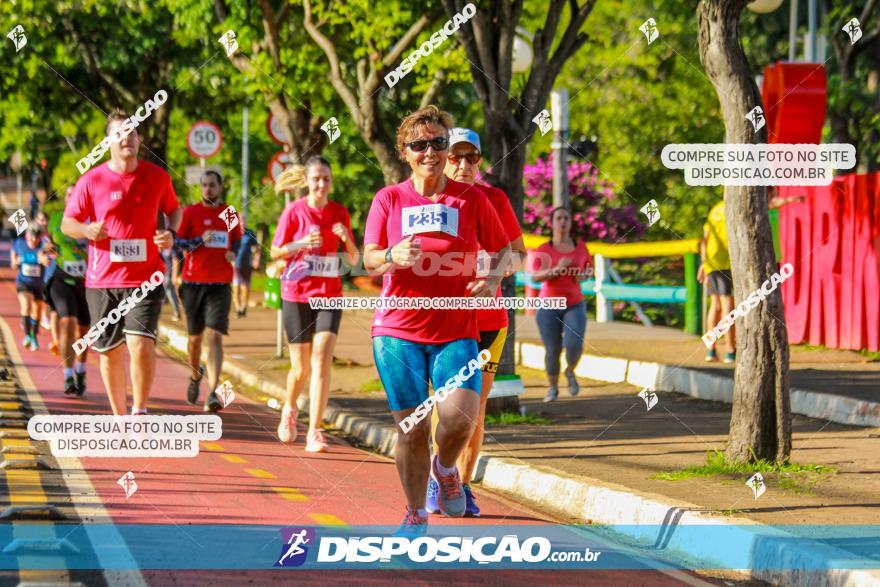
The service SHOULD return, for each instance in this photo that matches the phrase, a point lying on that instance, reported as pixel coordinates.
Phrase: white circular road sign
(204, 139)
(277, 132)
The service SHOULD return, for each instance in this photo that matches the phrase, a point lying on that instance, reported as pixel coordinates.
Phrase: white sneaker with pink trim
(316, 442)
(287, 426)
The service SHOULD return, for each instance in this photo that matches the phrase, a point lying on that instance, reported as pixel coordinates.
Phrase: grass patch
(872, 356)
(716, 465)
(371, 386)
(513, 419)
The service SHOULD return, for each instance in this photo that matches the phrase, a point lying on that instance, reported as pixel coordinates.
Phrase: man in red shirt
(123, 199)
(211, 233)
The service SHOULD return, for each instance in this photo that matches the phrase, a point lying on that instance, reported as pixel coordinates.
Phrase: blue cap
(464, 135)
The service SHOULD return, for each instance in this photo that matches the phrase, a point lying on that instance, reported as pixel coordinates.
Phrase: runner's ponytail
(292, 178)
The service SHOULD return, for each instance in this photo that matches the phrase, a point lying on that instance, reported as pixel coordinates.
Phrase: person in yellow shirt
(714, 273)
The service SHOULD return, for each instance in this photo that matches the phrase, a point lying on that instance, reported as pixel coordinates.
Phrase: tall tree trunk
(303, 128)
(760, 425)
(157, 137)
(488, 41)
(383, 146)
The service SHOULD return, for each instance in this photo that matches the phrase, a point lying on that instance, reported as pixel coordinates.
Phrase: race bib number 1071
(323, 266)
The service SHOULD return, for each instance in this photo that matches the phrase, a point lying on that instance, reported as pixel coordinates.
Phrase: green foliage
(637, 98)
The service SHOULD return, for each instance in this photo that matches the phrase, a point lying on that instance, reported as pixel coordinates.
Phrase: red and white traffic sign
(278, 163)
(204, 139)
(276, 132)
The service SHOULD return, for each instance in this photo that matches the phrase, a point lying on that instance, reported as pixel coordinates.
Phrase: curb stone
(592, 501)
(702, 385)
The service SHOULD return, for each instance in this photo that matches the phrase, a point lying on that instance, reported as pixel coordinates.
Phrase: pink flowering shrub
(598, 214)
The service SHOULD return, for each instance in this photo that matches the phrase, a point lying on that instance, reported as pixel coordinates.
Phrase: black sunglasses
(472, 158)
(437, 143)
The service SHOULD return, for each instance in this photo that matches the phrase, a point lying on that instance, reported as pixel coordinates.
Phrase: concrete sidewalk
(594, 457)
(841, 386)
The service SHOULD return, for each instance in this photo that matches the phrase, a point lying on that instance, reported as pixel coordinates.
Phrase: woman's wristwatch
(388, 256)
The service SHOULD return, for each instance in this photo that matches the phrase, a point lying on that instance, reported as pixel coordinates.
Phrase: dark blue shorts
(405, 367)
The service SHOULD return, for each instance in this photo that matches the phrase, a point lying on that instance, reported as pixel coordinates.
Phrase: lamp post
(559, 116)
(504, 396)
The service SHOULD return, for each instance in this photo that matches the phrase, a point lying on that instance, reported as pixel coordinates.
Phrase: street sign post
(204, 140)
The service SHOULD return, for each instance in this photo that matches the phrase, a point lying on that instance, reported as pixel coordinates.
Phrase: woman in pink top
(309, 233)
(559, 265)
(409, 224)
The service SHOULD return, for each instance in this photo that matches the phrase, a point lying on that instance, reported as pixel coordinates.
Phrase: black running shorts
(35, 289)
(301, 322)
(142, 318)
(719, 283)
(67, 296)
(206, 305)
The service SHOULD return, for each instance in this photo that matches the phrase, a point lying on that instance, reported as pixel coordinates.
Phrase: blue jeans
(562, 329)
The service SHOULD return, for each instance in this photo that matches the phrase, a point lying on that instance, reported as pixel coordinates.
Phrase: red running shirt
(561, 286)
(129, 204)
(313, 272)
(476, 225)
(207, 263)
(491, 320)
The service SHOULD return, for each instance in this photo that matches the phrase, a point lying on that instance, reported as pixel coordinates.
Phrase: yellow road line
(260, 473)
(25, 487)
(291, 494)
(213, 446)
(233, 459)
(16, 442)
(327, 520)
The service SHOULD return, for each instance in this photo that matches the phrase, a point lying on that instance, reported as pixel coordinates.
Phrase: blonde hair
(292, 178)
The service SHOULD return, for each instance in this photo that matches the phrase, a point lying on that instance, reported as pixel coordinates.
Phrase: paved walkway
(827, 371)
(606, 432)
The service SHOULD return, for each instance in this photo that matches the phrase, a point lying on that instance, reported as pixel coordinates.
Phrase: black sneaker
(192, 392)
(70, 386)
(80, 383)
(213, 403)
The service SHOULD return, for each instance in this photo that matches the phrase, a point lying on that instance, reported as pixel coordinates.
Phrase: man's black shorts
(206, 305)
(301, 322)
(142, 319)
(67, 296)
(35, 289)
(719, 283)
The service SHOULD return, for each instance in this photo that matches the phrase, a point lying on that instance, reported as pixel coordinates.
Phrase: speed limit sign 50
(204, 139)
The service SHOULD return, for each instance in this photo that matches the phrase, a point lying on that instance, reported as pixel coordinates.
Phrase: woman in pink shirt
(309, 233)
(560, 265)
(411, 225)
